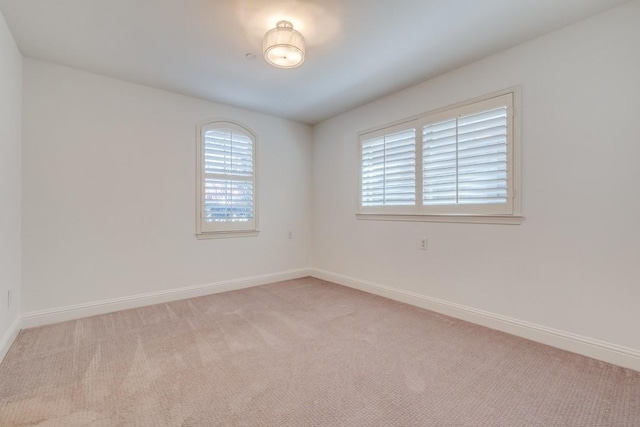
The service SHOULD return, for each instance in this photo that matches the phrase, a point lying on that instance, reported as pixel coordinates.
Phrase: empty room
(320, 213)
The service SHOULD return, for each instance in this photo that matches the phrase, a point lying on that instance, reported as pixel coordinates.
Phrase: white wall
(574, 264)
(109, 191)
(10, 193)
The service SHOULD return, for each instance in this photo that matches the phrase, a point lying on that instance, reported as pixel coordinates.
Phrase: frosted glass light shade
(283, 46)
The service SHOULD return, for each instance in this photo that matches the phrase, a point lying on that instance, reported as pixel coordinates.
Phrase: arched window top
(225, 124)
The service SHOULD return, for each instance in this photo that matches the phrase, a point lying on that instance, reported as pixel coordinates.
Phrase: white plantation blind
(228, 151)
(388, 169)
(454, 162)
(227, 190)
(228, 166)
(465, 159)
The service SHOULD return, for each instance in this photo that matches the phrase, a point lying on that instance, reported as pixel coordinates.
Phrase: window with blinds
(227, 184)
(464, 160)
(457, 161)
(388, 169)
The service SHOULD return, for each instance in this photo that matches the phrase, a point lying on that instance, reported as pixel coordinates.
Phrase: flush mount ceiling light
(283, 46)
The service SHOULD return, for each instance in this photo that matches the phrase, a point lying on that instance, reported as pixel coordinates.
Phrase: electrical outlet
(9, 297)
(290, 235)
(424, 244)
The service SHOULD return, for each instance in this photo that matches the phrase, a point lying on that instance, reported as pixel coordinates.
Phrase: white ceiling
(357, 50)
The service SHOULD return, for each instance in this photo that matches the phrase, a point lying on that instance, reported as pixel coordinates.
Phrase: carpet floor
(301, 353)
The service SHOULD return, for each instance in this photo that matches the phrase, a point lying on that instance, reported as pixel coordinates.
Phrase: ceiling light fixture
(283, 46)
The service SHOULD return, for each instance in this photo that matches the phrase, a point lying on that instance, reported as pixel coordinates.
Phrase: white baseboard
(607, 352)
(611, 353)
(46, 317)
(8, 337)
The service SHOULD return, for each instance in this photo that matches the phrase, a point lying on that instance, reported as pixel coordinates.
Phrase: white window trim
(469, 219)
(417, 213)
(225, 234)
(252, 228)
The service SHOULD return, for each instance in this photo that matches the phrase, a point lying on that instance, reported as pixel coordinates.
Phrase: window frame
(510, 213)
(205, 230)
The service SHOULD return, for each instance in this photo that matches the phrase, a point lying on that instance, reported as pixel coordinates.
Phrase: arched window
(227, 185)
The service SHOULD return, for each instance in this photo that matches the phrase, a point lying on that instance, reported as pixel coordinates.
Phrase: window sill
(226, 234)
(470, 219)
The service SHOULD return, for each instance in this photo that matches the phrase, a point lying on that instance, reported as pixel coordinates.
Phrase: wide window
(457, 164)
(227, 186)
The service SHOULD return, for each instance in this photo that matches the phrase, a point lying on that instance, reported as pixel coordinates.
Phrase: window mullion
(457, 162)
(419, 167)
(384, 169)
(231, 151)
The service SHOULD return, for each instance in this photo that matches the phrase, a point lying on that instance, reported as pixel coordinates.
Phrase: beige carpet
(301, 353)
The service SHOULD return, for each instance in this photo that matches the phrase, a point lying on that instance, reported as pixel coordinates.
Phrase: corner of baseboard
(596, 349)
(62, 314)
(9, 337)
